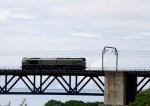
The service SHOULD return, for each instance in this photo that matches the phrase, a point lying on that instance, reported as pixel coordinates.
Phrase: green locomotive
(54, 63)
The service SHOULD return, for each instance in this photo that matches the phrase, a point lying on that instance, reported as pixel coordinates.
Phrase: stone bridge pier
(120, 88)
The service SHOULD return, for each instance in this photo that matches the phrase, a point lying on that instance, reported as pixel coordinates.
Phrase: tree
(74, 103)
(142, 99)
(54, 103)
(93, 103)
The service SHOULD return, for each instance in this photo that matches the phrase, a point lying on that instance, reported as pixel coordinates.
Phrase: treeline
(142, 98)
(72, 103)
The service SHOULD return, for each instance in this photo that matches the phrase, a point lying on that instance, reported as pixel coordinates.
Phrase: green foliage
(92, 104)
(71, 103)
(142, 99)
(74, 103)
(53, 103)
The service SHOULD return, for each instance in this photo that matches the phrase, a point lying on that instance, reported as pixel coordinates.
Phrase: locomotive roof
(25, 58)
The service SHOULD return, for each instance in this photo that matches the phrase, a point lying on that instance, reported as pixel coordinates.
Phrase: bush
(53, 103)
(142, 98)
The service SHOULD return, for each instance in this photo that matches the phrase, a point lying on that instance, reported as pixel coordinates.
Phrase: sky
(73, 28)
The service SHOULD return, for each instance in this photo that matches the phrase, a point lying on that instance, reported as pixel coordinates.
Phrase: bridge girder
(44, 85)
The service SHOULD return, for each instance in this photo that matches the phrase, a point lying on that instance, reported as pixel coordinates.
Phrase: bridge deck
(90, 72)
(51, 72)
(73, 82)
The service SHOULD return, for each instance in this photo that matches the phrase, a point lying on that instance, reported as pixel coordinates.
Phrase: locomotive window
(33, 62)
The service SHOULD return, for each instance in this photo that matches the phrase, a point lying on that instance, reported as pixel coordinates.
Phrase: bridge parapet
(127, 69)
(10, 67)
(89, 68)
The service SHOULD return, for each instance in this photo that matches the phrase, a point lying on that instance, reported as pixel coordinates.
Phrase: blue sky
(74, 28)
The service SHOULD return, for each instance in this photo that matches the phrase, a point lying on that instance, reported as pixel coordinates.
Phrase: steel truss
(143, 82)
(47, 85)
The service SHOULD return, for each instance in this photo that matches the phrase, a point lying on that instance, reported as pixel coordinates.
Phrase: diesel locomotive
(54, 63)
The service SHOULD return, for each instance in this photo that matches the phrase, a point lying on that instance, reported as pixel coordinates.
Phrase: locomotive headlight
(24, 62)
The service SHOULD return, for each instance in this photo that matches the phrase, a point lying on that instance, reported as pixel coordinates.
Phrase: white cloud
(100, 8)
(121, 23)
(97, 63)
(133, 37)
(146, 34)
(90, 35)
(106, 14)
(4, 14)
(22, 15)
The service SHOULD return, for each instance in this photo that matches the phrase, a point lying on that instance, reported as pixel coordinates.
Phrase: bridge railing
(127, 69)
(93, 68)
(19, 68)
(10, 67)
(90, 68)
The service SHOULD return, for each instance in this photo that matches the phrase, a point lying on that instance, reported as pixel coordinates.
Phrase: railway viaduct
(119, 88)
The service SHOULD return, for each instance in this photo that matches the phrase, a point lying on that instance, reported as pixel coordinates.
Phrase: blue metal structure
(39, 82)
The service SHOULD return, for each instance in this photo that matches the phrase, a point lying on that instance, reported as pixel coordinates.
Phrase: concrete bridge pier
(120, 88)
